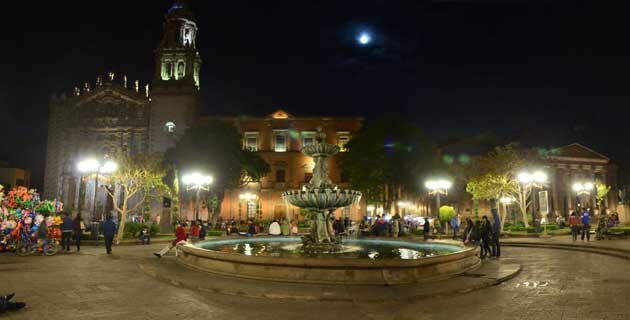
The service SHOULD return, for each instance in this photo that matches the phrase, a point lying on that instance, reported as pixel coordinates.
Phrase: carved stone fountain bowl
(321, 199)
(312, 150)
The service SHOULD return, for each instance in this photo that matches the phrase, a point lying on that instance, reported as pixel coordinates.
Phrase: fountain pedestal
(320, 196)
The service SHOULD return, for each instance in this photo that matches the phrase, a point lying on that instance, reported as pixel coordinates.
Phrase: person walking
(574, 223)
(181, 236)
(426, 228)
(66, 232)
(455, 225)
(396, 225)
(467, 236)
(78, 227)
(586, 226)
(109, 230)
(496, 233)
(485, 235)
(203, 230)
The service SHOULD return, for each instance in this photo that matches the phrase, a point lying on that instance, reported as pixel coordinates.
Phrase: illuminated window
(251, 210)
(308, 138)
(343, 137)
(251, 141)
(170, 127)
(280, 140)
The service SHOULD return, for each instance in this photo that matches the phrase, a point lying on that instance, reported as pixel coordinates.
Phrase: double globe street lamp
(93, 166)
(197, 181)
(583, 189)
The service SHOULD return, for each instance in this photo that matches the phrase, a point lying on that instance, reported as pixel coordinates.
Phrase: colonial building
(278, 138)
(564, 166)
(116, 114)
(119, 115)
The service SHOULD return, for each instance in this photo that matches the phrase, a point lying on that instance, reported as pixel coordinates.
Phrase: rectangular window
(280, 141)
(308, 137)
(343, 137)
(251, 210)
(251, 141)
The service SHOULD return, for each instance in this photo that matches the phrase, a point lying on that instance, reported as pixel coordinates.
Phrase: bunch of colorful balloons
(22, 208)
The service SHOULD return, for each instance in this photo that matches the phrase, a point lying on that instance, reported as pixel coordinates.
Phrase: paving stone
(92, 285)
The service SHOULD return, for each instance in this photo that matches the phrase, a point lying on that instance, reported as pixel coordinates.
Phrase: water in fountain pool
(351, 249)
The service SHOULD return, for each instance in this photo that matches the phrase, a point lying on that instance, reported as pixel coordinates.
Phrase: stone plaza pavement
(553, 284)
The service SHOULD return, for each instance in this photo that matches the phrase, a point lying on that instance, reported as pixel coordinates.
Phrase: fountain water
(320, 196)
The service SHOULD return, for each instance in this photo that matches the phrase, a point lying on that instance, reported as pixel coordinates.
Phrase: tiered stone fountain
(320, 257)
(321, 197)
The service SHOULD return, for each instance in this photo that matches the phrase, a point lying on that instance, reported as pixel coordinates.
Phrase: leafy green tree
(214, 148)
(602, 191)
(445, 214)
(388, 157)
(139, 177)
(494, 175)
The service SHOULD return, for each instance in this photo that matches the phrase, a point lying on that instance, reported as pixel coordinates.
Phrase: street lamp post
(93, 166)
(531, 181)
(438, 187)
(196, 181)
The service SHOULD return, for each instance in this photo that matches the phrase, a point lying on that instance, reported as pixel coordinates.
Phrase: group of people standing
(71, 229)
(485, 234)
(580, 225)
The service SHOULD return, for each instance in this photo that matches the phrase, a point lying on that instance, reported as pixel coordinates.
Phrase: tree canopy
(139, 177)
(494, 175)
(214, 148)
(390, 154)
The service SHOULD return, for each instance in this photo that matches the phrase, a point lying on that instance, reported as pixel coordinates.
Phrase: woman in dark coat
(485, 234)
(77, 227)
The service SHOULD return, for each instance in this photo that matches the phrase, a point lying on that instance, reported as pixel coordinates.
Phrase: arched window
(170, 127)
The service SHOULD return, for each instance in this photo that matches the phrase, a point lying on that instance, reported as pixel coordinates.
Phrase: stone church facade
(117, 115)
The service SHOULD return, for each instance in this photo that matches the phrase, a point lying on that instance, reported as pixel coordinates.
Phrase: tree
(602, 191)
(493, 176)
(387, 158)
(214, 148)
(139, 178)
(445, 214)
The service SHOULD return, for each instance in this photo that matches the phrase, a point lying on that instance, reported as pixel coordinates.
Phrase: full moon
(364, 38)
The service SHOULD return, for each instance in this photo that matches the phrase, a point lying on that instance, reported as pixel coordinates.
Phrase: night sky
(542, 72)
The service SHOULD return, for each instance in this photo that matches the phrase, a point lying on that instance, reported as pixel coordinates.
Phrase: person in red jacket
(181, 237)
(574, 223)
(194, 230)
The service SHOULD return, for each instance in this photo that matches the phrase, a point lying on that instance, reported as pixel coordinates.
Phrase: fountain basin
(419, 261)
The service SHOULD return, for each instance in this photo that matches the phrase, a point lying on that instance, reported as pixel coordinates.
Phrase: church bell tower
(175, 90)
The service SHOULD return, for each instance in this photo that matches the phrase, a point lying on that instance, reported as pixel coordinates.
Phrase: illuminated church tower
(175, 91)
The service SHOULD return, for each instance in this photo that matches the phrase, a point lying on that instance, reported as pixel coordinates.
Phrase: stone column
(554, 191)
